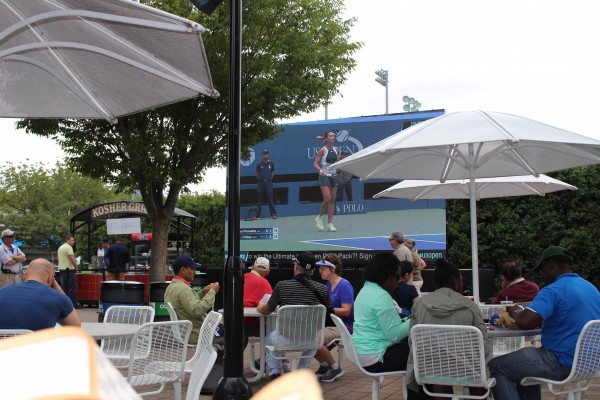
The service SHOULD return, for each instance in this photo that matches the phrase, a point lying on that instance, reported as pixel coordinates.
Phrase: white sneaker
(331, 228)
(319, 223)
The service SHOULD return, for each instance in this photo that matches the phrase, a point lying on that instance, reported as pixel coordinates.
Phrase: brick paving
(352, 386)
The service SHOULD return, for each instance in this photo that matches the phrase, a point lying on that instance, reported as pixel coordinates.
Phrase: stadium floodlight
(411, 104)
(382, 79)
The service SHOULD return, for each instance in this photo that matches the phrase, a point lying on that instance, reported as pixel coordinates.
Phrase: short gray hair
(397, 236)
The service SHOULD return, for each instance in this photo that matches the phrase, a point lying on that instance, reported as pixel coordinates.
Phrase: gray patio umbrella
(471, 145)
(96, 59)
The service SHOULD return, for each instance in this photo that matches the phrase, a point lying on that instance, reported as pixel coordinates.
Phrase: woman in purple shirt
(342, 299)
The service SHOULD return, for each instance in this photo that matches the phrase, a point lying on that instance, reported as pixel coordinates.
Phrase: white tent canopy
(506, 186)
(471, 145)
(96, 59)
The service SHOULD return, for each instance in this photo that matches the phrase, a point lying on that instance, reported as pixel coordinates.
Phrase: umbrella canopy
(486, 188)
(470, 145)
(96, 59)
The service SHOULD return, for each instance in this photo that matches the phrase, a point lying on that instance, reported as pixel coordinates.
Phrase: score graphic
(259, 234)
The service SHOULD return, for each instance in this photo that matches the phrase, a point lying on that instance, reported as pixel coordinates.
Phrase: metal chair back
(6, 333)
(451, 355)
(158, 355)
(117, 350)
(299, 328)
(205, 356)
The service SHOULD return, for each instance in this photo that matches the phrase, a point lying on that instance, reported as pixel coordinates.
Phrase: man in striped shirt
(294, 291)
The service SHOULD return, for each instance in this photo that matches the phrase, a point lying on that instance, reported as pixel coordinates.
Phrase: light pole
(411, 104)
(233, 385)
(382, 79)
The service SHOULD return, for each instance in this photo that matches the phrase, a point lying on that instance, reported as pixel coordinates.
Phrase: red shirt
(255, 287)
(519, 292)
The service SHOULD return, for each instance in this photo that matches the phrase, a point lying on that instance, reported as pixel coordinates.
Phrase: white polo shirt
(6, 253)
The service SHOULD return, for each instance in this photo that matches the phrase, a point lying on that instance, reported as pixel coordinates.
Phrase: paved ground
(352, 386)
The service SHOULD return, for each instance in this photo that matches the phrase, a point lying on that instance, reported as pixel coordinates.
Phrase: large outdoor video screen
(362, 224)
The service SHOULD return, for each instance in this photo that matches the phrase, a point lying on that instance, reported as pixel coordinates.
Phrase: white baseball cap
(262, 263)
(7, 232)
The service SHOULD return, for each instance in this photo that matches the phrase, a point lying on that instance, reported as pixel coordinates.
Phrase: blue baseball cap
(185, 261)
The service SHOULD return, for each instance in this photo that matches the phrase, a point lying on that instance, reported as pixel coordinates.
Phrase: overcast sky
(538, 59)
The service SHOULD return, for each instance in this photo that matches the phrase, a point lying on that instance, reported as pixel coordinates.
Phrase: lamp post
(382, 79)
(233, 385)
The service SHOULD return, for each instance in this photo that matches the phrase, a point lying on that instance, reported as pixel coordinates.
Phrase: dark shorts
(330, 181)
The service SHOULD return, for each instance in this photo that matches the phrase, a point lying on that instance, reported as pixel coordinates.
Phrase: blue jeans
(68, 283)
(265, 188)
(273, 365)
(509, 369)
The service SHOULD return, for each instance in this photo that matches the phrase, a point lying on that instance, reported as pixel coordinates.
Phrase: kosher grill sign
(127, 207)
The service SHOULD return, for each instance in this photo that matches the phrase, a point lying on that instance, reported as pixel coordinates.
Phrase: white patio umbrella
(471, 145)
(486, 188)
(96, 59)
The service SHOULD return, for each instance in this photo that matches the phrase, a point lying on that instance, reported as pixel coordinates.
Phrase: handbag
(328, 320)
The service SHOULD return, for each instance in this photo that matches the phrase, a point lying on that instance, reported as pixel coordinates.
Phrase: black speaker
(206, 6)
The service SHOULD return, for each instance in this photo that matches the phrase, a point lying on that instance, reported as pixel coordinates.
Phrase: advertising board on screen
(362, 224)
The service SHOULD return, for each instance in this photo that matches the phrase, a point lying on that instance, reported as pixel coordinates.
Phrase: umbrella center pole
(473, 215)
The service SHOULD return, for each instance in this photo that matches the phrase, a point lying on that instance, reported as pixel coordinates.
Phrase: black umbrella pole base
(232, 388)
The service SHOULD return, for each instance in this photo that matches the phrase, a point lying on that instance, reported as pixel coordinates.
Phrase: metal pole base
(232, 388)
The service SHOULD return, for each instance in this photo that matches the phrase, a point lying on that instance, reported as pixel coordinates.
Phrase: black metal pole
(233, 385)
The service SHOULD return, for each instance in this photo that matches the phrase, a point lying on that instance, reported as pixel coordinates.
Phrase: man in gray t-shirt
(400, 250)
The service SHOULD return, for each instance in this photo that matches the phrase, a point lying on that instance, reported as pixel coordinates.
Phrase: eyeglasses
(391, 239)
(9, 237)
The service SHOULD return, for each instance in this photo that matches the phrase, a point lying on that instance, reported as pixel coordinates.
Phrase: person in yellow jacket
(188, 304)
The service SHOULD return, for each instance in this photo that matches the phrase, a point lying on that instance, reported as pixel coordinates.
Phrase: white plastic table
(107, 330)
(265, 325)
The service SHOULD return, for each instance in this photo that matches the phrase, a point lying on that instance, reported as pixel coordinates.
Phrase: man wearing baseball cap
(11, 259)
(265, 171)
(561, 308)
(255, 289)
(188, 304)
(300, 290)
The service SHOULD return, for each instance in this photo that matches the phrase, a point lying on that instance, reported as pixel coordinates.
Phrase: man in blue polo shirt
(562, 308)
(36, 303)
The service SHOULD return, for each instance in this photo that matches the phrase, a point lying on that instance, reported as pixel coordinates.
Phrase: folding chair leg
(375, 389)
(340, 351)
(294, 363)
(177, 387)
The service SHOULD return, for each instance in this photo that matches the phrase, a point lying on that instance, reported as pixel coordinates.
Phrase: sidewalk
(353, 385)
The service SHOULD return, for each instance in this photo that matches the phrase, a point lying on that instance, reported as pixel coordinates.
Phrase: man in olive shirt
(188, 304)
(67, 268)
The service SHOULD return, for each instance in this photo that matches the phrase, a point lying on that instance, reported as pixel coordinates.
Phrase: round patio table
(107, 330)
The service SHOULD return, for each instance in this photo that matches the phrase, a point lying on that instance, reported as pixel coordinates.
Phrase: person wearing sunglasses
(11, 259)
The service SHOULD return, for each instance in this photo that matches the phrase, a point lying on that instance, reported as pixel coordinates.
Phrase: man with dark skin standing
(265, 171)
(561, 308)
(116, 258)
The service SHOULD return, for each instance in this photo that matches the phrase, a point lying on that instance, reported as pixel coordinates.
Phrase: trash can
(120, 293)
(157, 300)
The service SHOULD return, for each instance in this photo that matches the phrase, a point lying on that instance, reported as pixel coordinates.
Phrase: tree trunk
(158, 257)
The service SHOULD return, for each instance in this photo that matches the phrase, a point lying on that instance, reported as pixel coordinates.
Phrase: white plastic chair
(205, 356)
(6, 333)
(158, 353)
(173, 316)
(117, 350)
(299, 329)
(450, 355)
(586, 365)
(351, 354)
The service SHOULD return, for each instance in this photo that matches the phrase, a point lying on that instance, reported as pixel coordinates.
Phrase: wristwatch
(518, 310)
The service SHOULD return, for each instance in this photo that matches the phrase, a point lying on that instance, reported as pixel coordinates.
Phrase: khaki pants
(330, 333)
(9, 279)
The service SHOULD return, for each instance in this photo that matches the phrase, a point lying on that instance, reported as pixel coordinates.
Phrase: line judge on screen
(265, 171)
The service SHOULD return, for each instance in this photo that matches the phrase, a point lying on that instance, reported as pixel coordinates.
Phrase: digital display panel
(362, 224)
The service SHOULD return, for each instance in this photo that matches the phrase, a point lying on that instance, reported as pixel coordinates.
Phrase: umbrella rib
(448, 163)
(96, 104)
(531, 189)
(68, 84)
(79, 46)
(496, 125)
(385, 164)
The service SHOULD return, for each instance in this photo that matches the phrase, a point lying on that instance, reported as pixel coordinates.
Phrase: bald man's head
(40, 270)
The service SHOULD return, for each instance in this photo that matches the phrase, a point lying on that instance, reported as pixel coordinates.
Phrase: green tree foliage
(295, 56)
(38, 203)
(210, 226)
(523, 226)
